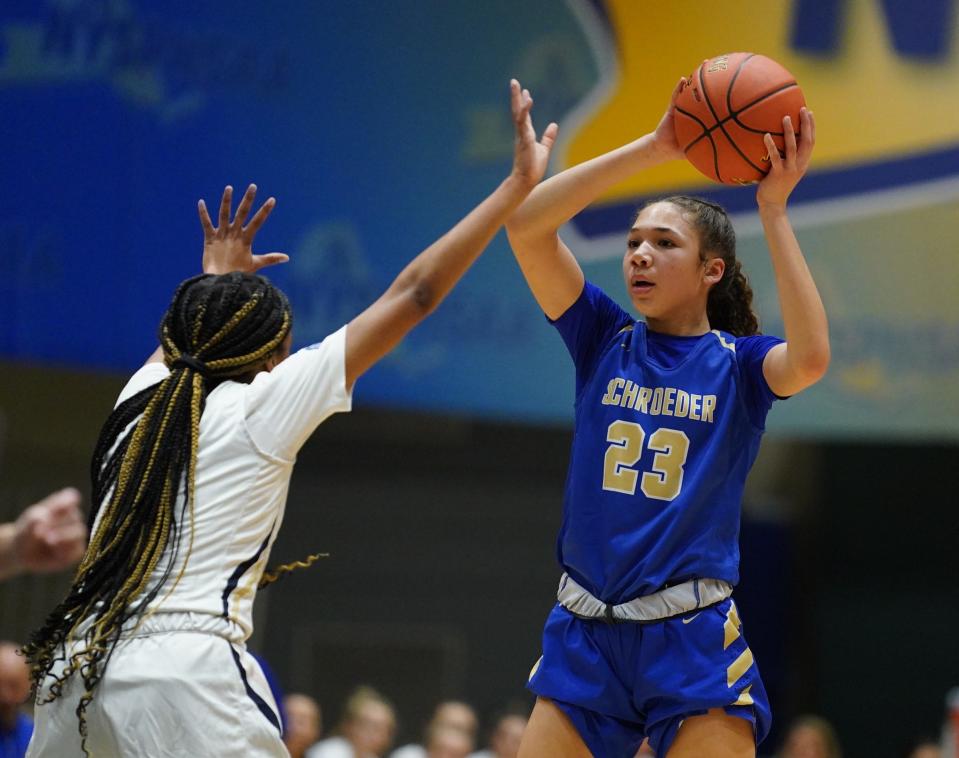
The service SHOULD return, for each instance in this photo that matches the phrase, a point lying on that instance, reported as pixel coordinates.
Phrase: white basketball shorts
(165, 694)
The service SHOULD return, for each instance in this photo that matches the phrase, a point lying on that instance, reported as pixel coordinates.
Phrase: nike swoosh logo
(686, 621)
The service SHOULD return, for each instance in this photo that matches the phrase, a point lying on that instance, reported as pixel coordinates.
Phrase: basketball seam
(712, 144)
(702, 81)
(707, 130)
(694, 117)
(735, 114)
(732, 82)
(709, 133)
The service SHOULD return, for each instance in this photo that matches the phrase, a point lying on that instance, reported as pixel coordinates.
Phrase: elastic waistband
(203, 623)
(668, 602)
(170, 622)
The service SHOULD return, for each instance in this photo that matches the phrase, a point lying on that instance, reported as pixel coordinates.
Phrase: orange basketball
(729, 103)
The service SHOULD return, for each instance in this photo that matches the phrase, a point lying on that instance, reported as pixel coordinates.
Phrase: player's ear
(713, 269)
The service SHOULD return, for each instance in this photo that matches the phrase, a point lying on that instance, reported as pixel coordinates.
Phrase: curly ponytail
(729, 305)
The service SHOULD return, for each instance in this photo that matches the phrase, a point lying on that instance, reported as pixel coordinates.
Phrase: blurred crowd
(367, 727)
(50, 535)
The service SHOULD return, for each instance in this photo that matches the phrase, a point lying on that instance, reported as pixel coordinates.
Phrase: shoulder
(146, 376)
(746, 350)
(751, 354)
(725, 340)
(753, 348)
(314, 363)
(593, 302)
(754, 342)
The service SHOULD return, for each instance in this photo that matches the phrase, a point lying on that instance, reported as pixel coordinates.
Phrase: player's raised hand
(229, 245)
(530, 157)
(785, 170)
(664, 137)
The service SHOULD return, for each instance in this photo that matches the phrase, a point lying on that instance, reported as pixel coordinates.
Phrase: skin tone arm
(550, 269)
(48, 536)
(556, 279)
(428, 278)
(803, 359)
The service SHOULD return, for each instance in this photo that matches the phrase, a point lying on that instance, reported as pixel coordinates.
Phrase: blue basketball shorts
(621, 682)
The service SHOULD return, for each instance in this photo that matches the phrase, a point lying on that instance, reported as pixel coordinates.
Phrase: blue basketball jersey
(666, 431)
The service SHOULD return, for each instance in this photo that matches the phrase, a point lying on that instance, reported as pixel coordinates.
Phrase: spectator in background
(15, 727)
(304, 723)
(505, 737)
(450, 713)
(365, 731)
(445, 741)
(48, 536)
(811, 737)
(923, 747)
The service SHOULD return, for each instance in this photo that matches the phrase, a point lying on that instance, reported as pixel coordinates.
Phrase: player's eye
(666, 243)
(632, 244)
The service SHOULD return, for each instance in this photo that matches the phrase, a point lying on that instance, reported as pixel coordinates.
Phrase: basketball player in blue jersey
(645, 639)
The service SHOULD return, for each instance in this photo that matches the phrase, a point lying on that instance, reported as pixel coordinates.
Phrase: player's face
(666, 278)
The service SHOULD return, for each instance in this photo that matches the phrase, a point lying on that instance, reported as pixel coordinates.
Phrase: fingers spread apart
(226, 202)
(246, 202)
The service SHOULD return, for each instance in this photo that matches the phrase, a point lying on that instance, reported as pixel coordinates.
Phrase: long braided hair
(216, 328)
(729, 304)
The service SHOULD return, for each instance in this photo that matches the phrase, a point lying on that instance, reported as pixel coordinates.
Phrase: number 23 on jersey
(664, 480)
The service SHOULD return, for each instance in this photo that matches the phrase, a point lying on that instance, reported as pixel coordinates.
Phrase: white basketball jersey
(249, 437)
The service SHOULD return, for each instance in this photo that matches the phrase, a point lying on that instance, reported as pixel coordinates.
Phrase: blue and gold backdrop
(377, 125)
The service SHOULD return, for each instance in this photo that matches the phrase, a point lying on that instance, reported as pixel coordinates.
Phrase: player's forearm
(9, 565)
(555, 201)
(804, 317)
(434, 272)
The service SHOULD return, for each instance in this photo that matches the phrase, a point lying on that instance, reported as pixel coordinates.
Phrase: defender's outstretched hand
(530, 158)
(229, 246)
(421, 286)
(785, 172)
